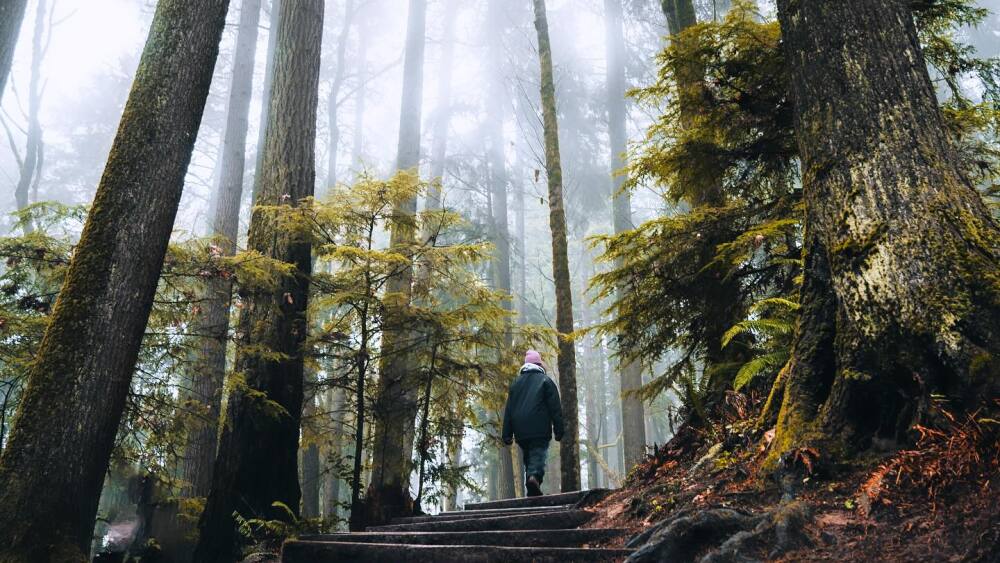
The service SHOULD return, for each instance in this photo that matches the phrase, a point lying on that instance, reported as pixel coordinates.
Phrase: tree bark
(257, 461)
(569, 450)
(901, 297)
(11, 18)
(629, 372)
(396, 404)
(212, 326)
(53, 471)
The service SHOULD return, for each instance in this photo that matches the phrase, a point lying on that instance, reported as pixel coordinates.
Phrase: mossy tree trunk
(901, 298)
(257, 461)
(569, 449)
(397, 402)
(11, 18)
(629, 372)
(212, 326)
(53, 470)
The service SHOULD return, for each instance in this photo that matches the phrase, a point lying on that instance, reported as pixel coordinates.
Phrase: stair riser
(327, 552)
(545, 500)
(547, 521)
(478, 514)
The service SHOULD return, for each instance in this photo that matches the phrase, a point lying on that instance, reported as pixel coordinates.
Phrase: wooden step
(507, 538)
(334, 552)
(555, 520)
(544, 500)
(466, 514)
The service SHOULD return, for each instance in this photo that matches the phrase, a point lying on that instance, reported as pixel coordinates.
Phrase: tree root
(721, 535)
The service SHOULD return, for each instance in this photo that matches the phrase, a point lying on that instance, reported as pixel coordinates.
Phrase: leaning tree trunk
(396, 404)
(53, 471)
(212, 326)
(568, 449)
(901, 297)
(257, 462)
(630, 372)
(11, 18)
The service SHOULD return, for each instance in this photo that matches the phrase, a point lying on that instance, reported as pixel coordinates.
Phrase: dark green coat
(533, 409)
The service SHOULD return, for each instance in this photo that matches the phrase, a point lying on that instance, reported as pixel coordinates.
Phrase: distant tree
(901, 297)
(499, 181)
(212, 326)
(630, 372)
(11, 18)
(257, 463)
(396, 404)
(53, 470)
(569, 447)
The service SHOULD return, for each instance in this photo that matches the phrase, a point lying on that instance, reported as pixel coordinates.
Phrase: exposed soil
(936, 499)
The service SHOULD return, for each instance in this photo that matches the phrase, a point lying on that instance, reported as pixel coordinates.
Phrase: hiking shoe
(534, 489)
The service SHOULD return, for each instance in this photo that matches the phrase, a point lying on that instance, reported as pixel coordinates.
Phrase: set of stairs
(536, 529)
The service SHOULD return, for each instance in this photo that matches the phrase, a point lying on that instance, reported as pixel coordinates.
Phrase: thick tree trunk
(901, 297)
(53, 471)
(396, 405)
(257, 462)
(212, 326)
(569, 447)
(11, 18)
(629, 372)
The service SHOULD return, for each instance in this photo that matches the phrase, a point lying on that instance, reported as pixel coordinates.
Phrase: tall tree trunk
(498, 195)
(212, 326)
(357, 146)
(336, 400)
(629, 372)
(901, 297)
(569, 449)
(83, 368)
(310, 450)
(265, 107)
(396, 404)
(11, 18)
(31, 164)
(439, 150)
(257, 462)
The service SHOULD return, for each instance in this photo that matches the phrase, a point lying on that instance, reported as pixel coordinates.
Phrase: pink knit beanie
(533, 357)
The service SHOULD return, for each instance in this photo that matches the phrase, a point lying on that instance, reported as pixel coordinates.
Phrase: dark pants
(535, 452)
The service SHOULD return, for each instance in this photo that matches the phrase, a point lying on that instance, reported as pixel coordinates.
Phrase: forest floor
(937, 500)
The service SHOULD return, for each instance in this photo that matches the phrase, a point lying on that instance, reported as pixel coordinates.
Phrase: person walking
(532, 417)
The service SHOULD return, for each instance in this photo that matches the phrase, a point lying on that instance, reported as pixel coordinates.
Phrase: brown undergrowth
(936, 499)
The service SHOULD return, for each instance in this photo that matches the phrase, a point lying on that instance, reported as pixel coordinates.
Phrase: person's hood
(532, 367)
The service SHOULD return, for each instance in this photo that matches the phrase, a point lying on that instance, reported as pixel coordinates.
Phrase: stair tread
(511, 538)
(463, 514)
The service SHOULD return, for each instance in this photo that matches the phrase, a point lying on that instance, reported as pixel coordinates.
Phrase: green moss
(855, 251)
